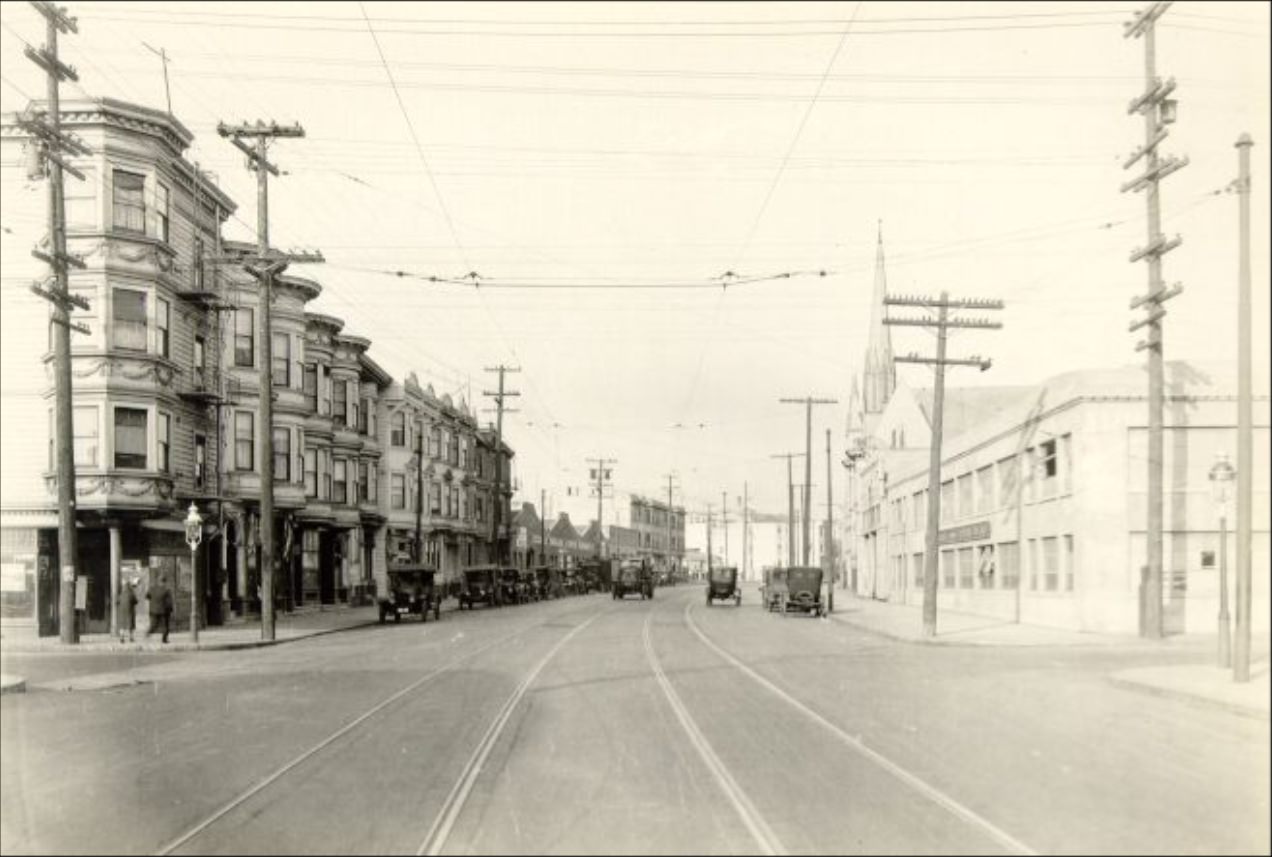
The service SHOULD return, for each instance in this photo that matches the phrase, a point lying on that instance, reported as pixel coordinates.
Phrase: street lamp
(1221, 476)
(194, 535)
(852, 458)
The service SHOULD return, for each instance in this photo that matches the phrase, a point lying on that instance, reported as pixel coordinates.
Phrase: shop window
(947, 568)
(966, 568)
(130, 438)
(986, 566)
(1009, 563)
(128, 319)
(128, 202)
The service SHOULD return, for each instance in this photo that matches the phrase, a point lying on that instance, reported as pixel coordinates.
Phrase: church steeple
(879, 378)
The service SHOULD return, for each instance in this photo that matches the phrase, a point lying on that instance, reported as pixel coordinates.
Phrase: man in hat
(127, 609)
(161, 603)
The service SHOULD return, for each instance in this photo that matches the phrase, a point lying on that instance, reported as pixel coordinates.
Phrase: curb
(180, 646)
(1203, 701)
(947, 641)
(12, 684)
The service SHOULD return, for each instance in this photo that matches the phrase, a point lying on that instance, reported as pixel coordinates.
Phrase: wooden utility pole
(808, 403)
(50, 148)
(830, 534)
(1245, 434)
(671, 553)
(419, 491)
(746, 525)
(162, 53)
(790, 505)
(942, 323)
(1158, 110)
(499, 397)
(708, 544)
(602, 475)
(724, 522)
(265, 265)
(543, 535)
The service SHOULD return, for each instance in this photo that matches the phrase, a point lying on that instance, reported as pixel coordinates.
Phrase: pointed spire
(880, 372)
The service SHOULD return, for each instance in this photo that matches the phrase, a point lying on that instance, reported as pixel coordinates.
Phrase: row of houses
(655, 531)
(1043, 493)
(368, 470)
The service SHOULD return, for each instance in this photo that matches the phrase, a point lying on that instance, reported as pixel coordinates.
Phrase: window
(130, 438)
(985, 489)
(282, 455)
(435, 442)
(917, 563)
(162, 212)
(373, 484)
(84, 429)
(362, 417)
(310, 383)
(244, 337)
(196, 263)
(339, 403)
(200, 361)
(947, 568)
(280, 360)
(1068, 563)
(920, 509)
(128, 316)
(299, 472)
(1066, 464)
(966, 501)
(966, 568)
(1009, 563)
(397, 490)
(163, 317)
(1033, 564)
(163, 430)
(340, 484)
(463, 454)
(435, 499)
(353, 404)
(244, 440)
(311, 473)
(364, 487)
(324, 382)
(397, 430)
(129, 203)
(324, 471)
(1009, 481)
(200, 460)
(947, 501)
(1048, 467)
(986, 568)
(1051, 564)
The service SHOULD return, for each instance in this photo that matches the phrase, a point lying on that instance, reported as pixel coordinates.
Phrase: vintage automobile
(572, 581)
(410, 591)
(480, 586)
(634, 577)
(803, 584)
(722, 585)
(528, 585)
(546, 582)
(510, 588)
(773, 592)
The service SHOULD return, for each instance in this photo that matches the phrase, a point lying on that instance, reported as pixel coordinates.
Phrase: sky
(603, 169)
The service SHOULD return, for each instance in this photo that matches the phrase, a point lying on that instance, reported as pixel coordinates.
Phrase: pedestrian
(127, 610)
(161, 603)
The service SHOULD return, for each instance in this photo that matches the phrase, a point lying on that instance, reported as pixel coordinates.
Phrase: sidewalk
(245, 635)
(905, 622)
(1199, 683)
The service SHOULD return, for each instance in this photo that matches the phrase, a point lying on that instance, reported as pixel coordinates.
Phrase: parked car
(528, 585)
(410, 591)
(722, 585)
(510, 587)
(480, 586)
(572, 581)
(546, 582)
(773, 592)
(803, 584)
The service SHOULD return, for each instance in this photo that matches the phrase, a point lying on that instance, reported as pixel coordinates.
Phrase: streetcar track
(967, 815)
(754, 822)
(446, 817)
(280, 772)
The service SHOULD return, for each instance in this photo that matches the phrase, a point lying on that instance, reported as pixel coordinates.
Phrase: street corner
(1203, 684)
(12, 684)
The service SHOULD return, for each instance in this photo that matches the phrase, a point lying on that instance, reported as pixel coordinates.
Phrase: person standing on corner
(127, 610)
(161, 603)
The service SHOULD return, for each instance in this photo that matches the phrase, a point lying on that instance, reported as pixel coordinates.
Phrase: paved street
(587, 725)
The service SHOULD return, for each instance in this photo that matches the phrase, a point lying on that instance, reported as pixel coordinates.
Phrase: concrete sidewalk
(1199, 683)
(245, 635)
(905, 622)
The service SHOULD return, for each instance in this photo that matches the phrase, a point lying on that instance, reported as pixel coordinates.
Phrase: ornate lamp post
(1221, 476)
(193, 536)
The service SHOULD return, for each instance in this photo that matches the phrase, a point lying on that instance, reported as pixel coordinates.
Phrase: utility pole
(746, 525)
(708, 544)
(1158, 110)
(501, 410)
(1245, 434)
(49, 150)
(265, 265)
(790, 506)
(942, 323)
(671, 554)
(724, 522)
(808, 403)
(830, 533)
(419, 492)
(601, 474)
(543, 535)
